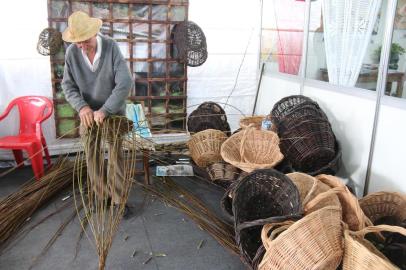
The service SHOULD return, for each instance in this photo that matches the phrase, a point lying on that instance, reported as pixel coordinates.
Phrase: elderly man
(96, 83)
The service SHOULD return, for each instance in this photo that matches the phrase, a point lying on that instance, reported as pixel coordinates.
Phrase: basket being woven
(252, 149)
(314, 242)
(208, 115)
(261, 197)
(360, 254)
(384, 205)
(205, 147)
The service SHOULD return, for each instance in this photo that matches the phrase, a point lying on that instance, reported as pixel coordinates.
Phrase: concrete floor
(154, 228)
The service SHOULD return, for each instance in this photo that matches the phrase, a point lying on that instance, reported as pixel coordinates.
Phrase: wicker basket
(262, 197)
(309, 187)
(352, 212)
(314, 242)
(222, 173)
(287, 104)
(205, 147)
(49, 41)
(252, 149)
(381, 206)
(208, 115)
(360, 254)
(333, 166)
(255, 121)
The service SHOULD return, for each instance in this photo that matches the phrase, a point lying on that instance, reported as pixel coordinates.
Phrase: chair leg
(37, 162)
(47, 157)
(18, 155)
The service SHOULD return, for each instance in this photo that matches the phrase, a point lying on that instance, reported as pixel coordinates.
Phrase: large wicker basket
(287, 104)
(262, 197)
(381, 206)
(205, 147)
(360, 254)
(314, 242)
(252, 149)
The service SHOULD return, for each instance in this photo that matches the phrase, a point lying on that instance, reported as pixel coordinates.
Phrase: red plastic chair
(30, 137)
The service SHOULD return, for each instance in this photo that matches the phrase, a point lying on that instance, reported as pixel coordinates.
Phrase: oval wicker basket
(314, 242)
(384, 205)
(255, 121)
(252, 149)
(205, 146)
(360, 254)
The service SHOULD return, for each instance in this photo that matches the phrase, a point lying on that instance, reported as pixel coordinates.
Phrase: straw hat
(81, 27)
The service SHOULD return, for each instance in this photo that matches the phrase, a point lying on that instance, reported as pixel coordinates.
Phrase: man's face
(88, 45)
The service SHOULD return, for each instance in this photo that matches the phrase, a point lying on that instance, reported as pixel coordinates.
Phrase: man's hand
(86, 116)
(99, 117)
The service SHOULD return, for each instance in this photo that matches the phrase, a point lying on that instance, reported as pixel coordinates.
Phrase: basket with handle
(313, 242)
(360, 254)
(252, 149)
(205, 146)
(353, 215)
(261, 197)
(309, 187)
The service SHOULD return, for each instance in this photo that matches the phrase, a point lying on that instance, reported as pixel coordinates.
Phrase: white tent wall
(231, 28)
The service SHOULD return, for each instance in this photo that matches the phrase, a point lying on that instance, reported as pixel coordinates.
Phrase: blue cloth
(135, 113)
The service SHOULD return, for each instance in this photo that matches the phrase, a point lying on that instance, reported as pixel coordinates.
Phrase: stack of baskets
(307, 139)
(208, 115)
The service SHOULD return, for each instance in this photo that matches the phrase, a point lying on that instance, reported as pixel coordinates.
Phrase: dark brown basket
(287, 104)
(263, 196)
(49, 41)
(333, 166)
(208, 115)
(190, 43)
(309, 152)
(222, 173)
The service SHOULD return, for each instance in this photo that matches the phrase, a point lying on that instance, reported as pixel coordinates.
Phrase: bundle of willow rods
(173, 194)
(20, 205)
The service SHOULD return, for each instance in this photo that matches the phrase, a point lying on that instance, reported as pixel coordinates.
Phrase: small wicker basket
(255, 121)
(252, 149)
(360, 254)
(205, 146)
(314, 242)
(380, 205)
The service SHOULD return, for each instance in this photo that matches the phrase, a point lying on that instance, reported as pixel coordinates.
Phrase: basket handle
(273, 220)
(322, 196)
(268, 227)
(379, 228)
(243, 139)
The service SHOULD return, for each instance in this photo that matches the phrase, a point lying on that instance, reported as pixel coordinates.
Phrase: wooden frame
(142, 28)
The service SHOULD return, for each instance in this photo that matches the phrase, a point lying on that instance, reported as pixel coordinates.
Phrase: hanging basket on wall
(190, 43)
(49, 41)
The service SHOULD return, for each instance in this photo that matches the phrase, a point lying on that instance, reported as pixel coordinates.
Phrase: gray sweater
(105, 89)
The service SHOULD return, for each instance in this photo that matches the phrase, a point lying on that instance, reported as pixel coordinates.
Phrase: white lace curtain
(348, 27)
